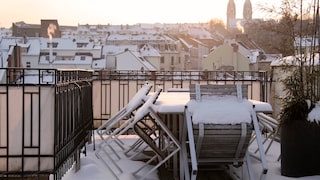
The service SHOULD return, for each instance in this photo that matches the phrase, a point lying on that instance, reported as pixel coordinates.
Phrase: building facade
(21, 29)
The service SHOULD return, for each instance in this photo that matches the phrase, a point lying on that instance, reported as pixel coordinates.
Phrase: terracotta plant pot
(300, 149)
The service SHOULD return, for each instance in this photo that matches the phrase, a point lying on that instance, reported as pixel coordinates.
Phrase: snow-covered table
(175, 102)
(171, 107)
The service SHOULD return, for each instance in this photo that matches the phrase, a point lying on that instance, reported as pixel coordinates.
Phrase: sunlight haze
(74, 12)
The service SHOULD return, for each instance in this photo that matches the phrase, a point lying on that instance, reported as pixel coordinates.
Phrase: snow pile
(220, 110)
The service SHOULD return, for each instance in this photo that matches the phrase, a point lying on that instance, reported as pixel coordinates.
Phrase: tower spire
(231, 12)
(247, 10)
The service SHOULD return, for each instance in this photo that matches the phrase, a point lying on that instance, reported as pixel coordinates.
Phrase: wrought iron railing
(73, 102)
(46, 117)
(113, 89)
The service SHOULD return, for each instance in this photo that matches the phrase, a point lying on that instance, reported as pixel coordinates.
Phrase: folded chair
(150, 133)
(163, 145)
(207, 140)
(125, 113)
(270, 128)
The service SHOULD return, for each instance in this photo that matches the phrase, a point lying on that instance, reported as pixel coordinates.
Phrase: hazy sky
(74, 12)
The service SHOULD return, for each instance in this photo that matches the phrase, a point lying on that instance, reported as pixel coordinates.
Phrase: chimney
(235, 47)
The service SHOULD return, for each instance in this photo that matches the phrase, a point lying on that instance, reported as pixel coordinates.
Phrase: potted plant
(297, 84)
(300, 88)
(299, 118)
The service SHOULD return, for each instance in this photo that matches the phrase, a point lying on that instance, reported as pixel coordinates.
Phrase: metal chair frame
(194, 148)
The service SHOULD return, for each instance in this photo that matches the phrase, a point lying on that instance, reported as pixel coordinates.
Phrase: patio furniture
(163, 144)
(125, 113)
(150, 133)
(216, 141)
(270, 127)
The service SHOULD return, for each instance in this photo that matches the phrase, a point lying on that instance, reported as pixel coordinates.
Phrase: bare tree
(286, 22)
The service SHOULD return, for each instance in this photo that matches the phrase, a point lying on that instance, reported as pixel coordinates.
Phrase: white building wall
(155, 61)
(111, 61)
(126, 61)
(33, 60)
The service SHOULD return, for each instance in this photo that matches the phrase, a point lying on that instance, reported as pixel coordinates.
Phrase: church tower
(231, 12)
(247, 10)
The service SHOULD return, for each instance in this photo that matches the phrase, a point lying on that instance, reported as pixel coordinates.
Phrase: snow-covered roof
(3, 60)
(185, 43)
(99, 64)
(6, 42)
(295, 60)
(34, 46)
(271, 57)
(306, 41)
(148, 66)
(199, 33)
(148, 50)
(63, 43)
(111, 49)
(5, 32)
(135, 58)
(77, 60)
(140, 37)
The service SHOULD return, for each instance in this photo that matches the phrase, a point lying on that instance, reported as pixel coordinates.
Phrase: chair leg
(249, 166)
(264, 141)
(259, 142)
(279, 157)
(108, 165)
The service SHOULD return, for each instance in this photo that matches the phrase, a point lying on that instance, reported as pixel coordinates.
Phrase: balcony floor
(93, 168)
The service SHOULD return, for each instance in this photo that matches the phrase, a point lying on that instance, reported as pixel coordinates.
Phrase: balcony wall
(45, 119)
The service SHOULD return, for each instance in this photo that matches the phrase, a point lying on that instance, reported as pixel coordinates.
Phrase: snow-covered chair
(270, 128)
(162, 144)
(219, 121)
(125, 113)
(150, 133)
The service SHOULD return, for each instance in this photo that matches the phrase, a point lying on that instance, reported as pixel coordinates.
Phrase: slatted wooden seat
(222, 143)
(216, 143)
(198, 91)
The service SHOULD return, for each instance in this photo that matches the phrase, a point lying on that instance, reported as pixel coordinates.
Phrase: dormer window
(80, 45)
(54, 45)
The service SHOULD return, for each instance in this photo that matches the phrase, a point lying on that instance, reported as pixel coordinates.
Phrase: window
(28, 64)
(172, 60)
(54, 44)
(162, 60)
(81, 45)
(82, 58)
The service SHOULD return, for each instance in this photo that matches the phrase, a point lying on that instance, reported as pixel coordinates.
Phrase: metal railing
(112, 90)
(46, 117)
(59, 108)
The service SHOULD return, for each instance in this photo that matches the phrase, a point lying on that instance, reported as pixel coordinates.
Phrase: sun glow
(74, 12)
